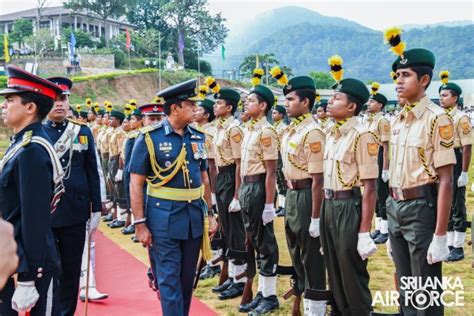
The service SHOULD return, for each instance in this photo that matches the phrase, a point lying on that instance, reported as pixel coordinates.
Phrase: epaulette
(436, 109)
(133, 134)
(361, 128)
(149, 128)
(26, 140)
(76, 122)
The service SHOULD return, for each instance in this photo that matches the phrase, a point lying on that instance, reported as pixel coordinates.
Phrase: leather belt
(254, 178)
(338, 195)
(299, 184)
(226, 169)
(410, 193)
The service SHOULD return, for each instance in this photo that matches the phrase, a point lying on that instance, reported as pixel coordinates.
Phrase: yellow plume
(279, 75)
(96, 107)
(212, 84)
(88, 102)
(133, 102)
(393, 75)
(257, 76)
(158, 100)
(78, 108)
(335, 62)
(392, 36)
(203, 91)
(375, 88)
(444, 76)
(318, 97)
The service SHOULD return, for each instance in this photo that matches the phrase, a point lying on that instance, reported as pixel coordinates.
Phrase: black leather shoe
(224, 286)
(456, 254)
(235, 290)
(267, 304)
(381, 239)
(134, 238)
(280, 212)
(450, 248)
(245, 308)
(209, 272)
(375, 234)
(128, 230)
(108, 218)
(117, 224)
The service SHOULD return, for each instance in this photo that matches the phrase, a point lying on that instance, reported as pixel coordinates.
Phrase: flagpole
(159, 61)
(129, 64)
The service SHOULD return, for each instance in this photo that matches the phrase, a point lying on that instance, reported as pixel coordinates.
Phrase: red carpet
(124, 278)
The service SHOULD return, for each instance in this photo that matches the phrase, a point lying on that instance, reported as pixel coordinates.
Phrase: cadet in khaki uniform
(350, 161)
(278, 114)
(379, 126)
(227, 144)
(420, 174)
(302, 151)
(257, 192)
(324, 122)
(449, 95)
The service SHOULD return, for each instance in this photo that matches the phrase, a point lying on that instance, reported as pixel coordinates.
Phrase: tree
(83, 39)
(105, 9)
(323, 79)
(40, 6)
(42, 40)
(22, 28)
(190, 19)
(265, 61)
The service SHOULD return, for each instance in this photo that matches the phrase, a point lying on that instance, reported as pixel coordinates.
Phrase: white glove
(314, 228)
(119, 175)
(268, 213)
(25, 296)
(438, 249)
(213, 199)
(365, 245)
(384, 175)
(389, 250)
(94, 222)
(234, 206)
(463, 179)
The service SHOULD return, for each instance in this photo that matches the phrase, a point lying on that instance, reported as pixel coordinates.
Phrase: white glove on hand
(463, 179)
(389, 250)
(268, 213)
(25, 296)
(384, 175)
(365, 245)
(234, 206)
(119, 175)
(213, 199)
(94, 222)
(438, 249)
(314, 228)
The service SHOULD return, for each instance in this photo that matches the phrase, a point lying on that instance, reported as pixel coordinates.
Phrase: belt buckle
(329, 194)
(290, 184)
(398, 194)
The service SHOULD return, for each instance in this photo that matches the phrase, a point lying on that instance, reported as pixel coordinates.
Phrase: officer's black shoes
(134, 238)
(108, 218)
(224, 286)
(235, 290)
(128, 230)
(375, 234)
(280, 212)
(450, 248)
(245, 308)
(456, 254)
(267, 304)
(381, 239)
(117, 224)
(209, 272)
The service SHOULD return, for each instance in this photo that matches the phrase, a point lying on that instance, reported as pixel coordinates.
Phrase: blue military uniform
(74, 144)
(28, 173)
(174, 210)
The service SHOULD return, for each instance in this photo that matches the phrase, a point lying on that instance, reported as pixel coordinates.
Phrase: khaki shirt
(209, 129)
(260, 143)
(421, 141)
(227, 142)
(280, 127)
(350, 156)
(380, 126)
(326, 125)
(116, 140)
(462, 128)
(302, 149)
(105, 140)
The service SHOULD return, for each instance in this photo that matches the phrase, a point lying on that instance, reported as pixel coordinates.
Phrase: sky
(374, 14)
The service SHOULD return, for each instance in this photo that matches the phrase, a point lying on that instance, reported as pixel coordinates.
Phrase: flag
(180, 42)
(6, 51)
(128, 40)
(72, 46)
(223, 52)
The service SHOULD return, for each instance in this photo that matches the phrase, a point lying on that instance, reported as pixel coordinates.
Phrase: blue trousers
(175, 269)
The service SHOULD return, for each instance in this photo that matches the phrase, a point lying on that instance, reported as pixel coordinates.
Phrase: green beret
(323, 103)
(299, 83)
(379, 98)
(74, 112)
(229, 95)
(137, 112)
(280, 108)
(415, 57)
(265, 93)
(354, 88)
(101, 112)
(83, 114)
(451, 86)
(117, 114)
(208, 105)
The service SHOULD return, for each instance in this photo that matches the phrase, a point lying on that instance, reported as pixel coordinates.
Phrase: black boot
(209, 272)
(267, 305)
(375, 234)
(235, 290)
(457, 254)
(117, 224)
(108, 218)
(381, 239)
(245, 308)
(224, 286)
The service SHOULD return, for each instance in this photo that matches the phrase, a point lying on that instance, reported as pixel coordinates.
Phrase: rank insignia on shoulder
(76, 122)
(373, 149)
(148, 128)
(26, 138)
